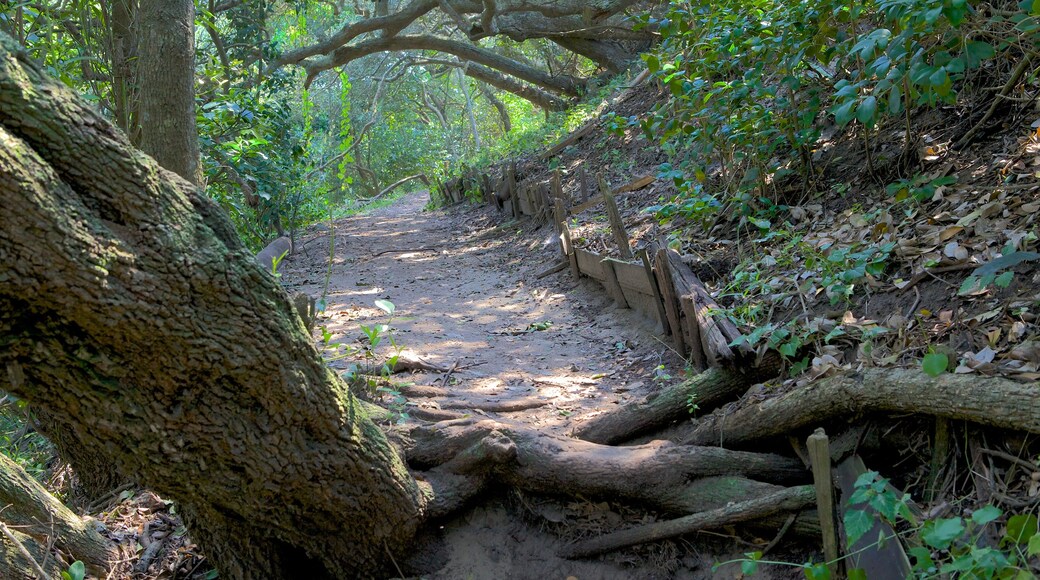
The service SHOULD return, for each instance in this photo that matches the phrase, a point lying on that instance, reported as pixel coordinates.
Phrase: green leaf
(211, 575)
(856, 574)
(935, 364)
(942, 532)
(923, 556)
(1004, 280)
(866, 110)
(1021, 528)
(1004, 262)
(844, 113)
(386, 306)
(750, 566)
(977, 51)
(817, 572)
(970, 284)
(1034, 545)
(986, 515)
(652, 62)
(857, 523)
(77, 571)
(1035, 8)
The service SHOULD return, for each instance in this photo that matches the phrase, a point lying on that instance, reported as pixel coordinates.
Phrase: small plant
(945, 547)
(995, 272)
(77, 571)
(935, 363)
(919, 188)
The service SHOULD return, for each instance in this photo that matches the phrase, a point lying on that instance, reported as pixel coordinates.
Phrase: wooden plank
(662, 316)
(644, 304)
(591, 203)
(671, 306)
(570, 139)
(583, 180)
(715, 332)
(565, 239)
(557, 187)
(526, 207)
(636, 184)
(633, 276)
(820, 461)
(589, 264)
(617, 226)
(879, 560)
(610, 282)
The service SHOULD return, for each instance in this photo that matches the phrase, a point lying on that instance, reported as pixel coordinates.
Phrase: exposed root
(791, 499)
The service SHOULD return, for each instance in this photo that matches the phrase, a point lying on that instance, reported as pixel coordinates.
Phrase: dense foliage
(755, 84)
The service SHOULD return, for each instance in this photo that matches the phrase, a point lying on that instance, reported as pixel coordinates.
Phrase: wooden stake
(671, 305)
(940, 453)
(612, 284)
(565, 239)
(584, 179)
(616, 225)
(658, 299)
(820, 458)
(878, 560)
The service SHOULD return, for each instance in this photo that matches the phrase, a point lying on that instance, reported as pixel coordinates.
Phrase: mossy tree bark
(132, 315)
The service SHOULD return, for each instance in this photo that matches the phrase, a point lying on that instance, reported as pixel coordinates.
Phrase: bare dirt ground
(466, 295)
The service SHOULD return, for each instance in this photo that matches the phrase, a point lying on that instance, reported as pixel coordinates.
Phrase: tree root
(706, 390)
(660, 473)
(988, 401)
(790, 499)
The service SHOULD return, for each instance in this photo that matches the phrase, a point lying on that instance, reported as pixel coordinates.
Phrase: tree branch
(562, 84)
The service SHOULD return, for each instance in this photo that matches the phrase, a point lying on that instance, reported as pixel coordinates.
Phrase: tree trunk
(166, 80)
(42, 521)
(123, 51)
(131, 313)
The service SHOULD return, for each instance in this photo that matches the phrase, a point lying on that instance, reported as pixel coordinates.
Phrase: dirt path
(466, 292)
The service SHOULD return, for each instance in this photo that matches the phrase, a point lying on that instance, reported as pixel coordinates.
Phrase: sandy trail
(466, 292)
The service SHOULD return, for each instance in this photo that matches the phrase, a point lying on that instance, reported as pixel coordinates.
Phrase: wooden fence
(654, 281)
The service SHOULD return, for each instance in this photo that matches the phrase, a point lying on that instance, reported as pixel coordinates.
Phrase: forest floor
(467, 297)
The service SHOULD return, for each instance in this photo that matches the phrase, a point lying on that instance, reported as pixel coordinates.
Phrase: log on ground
(707, 390)
(995, 402)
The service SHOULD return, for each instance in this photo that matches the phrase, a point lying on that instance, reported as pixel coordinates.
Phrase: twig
(1016, 75)
(557, 268)
(779, 535)
(447, 376)
(1008, 457)
(933, 271)
(387, 548)
(23, 551)
(404, 251)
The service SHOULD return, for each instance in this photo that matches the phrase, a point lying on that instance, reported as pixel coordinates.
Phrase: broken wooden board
(626, 188)
(570, 139)
(590, 264)
(885, 559)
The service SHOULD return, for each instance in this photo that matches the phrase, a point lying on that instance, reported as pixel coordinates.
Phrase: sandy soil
(466, 292)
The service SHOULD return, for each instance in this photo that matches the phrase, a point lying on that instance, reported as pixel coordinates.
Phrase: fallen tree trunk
(42, 521)
(132, 314)
(988, 401)
(706, 390)
(792, 499)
